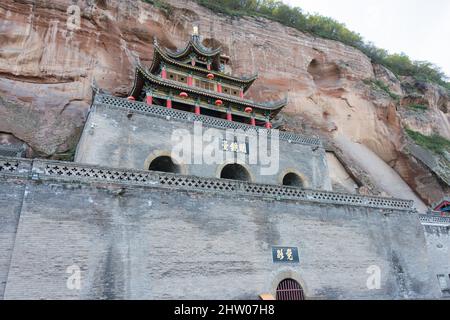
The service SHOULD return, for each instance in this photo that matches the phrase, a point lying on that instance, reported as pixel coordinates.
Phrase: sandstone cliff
(46, 70)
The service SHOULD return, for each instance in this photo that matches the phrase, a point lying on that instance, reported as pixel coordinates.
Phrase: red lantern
(268, 125)
(219, 102)
(210, 76)
(131, 98)
(248, 110)
(183, 95)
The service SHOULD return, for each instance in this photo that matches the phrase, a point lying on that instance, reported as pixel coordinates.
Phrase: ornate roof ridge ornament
(195, 30)
(439, 205)
(193, 44)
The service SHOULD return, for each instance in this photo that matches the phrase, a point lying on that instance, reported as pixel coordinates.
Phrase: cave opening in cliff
(293, 180)
(324, 74)
(164, 164)
(235, 172)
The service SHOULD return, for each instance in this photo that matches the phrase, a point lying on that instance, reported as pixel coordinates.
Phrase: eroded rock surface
(47, 69)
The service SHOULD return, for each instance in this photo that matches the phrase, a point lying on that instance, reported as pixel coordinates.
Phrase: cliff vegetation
(329, 28)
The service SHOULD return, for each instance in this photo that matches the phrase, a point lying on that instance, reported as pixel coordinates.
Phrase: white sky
(419, 28)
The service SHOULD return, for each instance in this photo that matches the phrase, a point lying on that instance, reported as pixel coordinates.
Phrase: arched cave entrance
(164, 164)
(325, 75)
(235, 172)
(293, 180)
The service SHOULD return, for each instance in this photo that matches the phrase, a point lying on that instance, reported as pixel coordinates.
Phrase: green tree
(329, 28)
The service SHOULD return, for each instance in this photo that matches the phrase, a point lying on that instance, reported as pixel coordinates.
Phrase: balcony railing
(72, 172)
(158, 111)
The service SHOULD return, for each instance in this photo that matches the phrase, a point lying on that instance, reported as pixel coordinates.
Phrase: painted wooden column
(252, 121)
(190, 80)
(164, 72)
(149, 98)
(268, 125)
(219, 87)
(197, 107)
(241, 93)
(229, 115)
(169, 102)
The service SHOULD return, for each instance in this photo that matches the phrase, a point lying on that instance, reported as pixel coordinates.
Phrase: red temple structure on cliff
(193, 79)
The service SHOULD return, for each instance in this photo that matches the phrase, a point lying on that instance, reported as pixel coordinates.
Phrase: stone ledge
(15, 166)
(69, 171)
(12, 150)
(434, 220)
(120, 103)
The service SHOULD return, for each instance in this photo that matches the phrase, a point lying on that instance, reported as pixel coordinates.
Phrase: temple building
(190, 84)
(183, 189)
(443, 206)
(193, 80)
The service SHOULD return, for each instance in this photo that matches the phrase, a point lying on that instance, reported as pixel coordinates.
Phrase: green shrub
(435, 142)
(380, 85)
(329, 28)
(417, 107)
(161, 4)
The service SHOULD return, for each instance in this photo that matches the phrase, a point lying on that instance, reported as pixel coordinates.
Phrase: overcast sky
(419, 28)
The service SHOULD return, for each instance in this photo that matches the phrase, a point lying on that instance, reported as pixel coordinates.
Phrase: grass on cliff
(417, 107)
(160, 4)
(380, 85)
(434, 143)
(329, 28)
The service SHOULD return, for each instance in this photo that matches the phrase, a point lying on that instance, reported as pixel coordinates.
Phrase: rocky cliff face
(47, 67)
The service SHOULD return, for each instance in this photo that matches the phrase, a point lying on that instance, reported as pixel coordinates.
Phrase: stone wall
(11, 194)
(133, 235)
(124, 134)
(40, 55)
(438, 243)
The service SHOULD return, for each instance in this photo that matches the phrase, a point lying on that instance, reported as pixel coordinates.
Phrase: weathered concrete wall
(111, 138)
(11, 194)
(152, 243)
(438, 244)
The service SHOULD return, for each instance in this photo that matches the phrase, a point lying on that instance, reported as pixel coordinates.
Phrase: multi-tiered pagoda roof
(194, 79)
